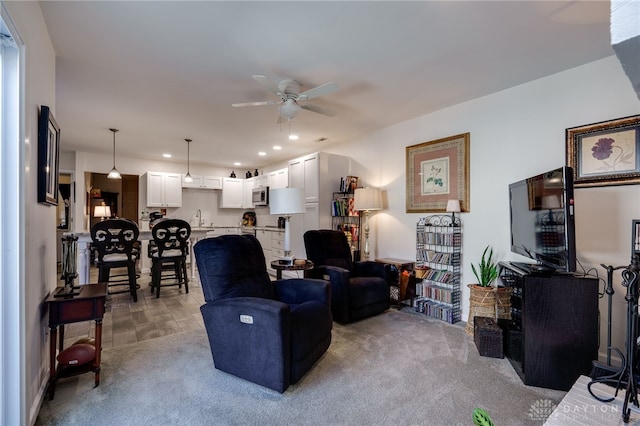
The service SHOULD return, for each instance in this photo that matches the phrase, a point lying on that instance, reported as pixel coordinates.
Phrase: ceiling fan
(290, 97)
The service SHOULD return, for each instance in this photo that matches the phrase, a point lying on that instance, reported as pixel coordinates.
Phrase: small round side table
(280, 265)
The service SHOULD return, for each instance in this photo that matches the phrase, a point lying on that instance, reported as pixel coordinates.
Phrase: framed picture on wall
(48, 157)
(438, 171)
(605, 153)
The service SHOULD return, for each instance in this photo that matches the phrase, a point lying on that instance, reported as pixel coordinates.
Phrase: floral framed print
(438, 171)
(605, 153)
(48, 157)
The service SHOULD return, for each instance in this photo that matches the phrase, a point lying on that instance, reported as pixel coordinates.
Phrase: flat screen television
(542, 221)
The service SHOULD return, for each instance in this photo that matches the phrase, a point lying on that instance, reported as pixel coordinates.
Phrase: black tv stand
(533, 268)
(541, 269)
(552, 336)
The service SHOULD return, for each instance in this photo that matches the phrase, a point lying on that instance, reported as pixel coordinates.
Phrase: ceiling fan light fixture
(187, 177)
(289, 109)
(114, 173)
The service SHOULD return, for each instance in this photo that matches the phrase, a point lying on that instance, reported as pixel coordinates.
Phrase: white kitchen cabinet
(247, 188)
(264, 237)
(195, 183)
(232, 195)
(278, 178)
(164, 189)
(303, 173)
(272, 242)
(212, 182)
(203, 182)
(260, 181)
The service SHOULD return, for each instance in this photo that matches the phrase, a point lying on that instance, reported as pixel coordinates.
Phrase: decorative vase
(255, 173)
(233, 174)
(482, 303)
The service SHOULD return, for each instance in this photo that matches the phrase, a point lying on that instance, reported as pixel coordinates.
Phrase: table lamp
(367, 200)
(551, 202)
(287, 201)
(453, 207)
(102, 211)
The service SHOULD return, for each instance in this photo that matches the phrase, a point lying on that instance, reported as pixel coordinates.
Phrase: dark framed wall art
(438, 171)
(605, 153)
(48, 157)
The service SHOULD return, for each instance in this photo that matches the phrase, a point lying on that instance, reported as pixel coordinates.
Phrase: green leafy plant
(487, 270)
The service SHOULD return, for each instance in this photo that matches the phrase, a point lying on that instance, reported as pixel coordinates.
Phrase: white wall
(515, 133)
(40, 220)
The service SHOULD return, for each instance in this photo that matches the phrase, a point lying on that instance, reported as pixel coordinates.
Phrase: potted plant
(482, 296)
(487, 271)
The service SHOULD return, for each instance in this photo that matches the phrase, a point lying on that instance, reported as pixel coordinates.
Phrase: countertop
(272, 228)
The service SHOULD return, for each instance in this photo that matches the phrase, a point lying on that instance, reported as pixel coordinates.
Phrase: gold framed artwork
(605, 153)
(438, 171)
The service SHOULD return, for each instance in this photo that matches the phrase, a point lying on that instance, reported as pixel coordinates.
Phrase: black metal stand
(630, 281)
(599, 369)
(627, 375)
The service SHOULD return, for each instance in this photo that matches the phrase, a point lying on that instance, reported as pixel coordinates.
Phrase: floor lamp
(367, 200)
(287, 201)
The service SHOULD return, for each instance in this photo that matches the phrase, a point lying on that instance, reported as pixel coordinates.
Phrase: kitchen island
(197, 233)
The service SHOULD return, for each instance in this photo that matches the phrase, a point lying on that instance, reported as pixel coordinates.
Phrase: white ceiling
(163, 71)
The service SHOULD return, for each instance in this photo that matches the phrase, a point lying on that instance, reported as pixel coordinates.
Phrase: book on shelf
(348, 184)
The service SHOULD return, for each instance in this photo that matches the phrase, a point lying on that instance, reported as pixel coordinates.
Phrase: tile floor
(128, 322)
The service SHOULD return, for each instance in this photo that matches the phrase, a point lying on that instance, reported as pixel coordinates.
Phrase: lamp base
(286, 260)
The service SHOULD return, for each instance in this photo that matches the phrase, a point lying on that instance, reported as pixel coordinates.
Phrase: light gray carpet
(398, 368)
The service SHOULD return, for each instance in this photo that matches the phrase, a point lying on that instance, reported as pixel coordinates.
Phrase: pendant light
(114, 173)
(187, 177)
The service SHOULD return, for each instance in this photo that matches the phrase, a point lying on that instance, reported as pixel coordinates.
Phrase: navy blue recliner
(270, 333)
(358, 289)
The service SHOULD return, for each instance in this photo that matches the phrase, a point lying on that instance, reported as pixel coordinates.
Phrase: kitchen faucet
(199, 214)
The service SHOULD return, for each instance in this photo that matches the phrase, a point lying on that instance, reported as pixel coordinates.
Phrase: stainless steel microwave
(260, 196)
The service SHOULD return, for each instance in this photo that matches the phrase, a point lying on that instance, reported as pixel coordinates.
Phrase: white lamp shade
(453, 206)
(367, 199)
(286, 201)
(551, 202)
(102, 211)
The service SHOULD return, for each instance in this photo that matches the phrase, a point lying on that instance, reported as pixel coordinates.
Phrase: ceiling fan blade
(318, 109)
(268, 84)
(322, 90)
(261, 103)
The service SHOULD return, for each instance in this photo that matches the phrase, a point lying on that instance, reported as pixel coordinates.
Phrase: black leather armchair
(358, 289)
(268, 333)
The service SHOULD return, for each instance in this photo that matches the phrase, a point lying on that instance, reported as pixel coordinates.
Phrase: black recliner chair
(358, 289)
(268, 333)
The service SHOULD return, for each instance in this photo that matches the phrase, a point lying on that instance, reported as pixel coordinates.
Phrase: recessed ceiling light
(166, 155)
(277, 147)
(237, 163)
(293, 137)
(262, 153)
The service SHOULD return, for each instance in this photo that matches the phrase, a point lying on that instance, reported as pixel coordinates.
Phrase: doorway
(121, 195)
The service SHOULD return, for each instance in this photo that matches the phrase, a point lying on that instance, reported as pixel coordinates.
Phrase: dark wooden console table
(88, 305)
(406, 286)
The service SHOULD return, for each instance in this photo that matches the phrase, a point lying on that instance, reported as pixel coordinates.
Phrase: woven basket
(503, 303)
(482, 303)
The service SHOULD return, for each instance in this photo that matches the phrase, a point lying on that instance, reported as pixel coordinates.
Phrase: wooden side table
(88, 305)
(406, 285)
(280, 266)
